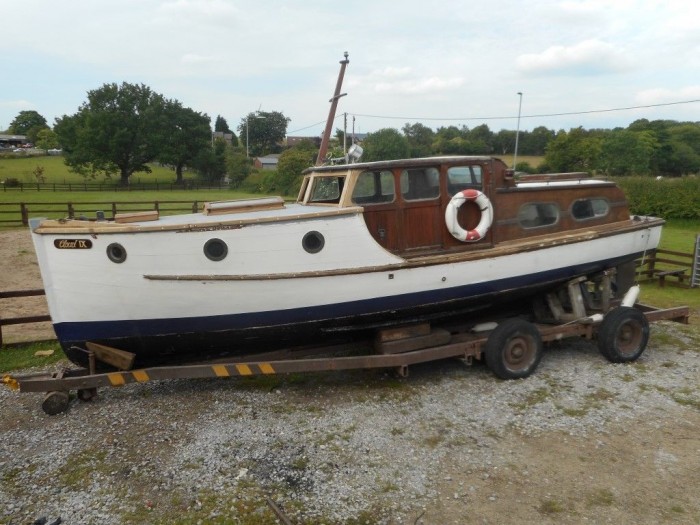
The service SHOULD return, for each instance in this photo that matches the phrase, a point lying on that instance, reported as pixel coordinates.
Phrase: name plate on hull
(73, 244)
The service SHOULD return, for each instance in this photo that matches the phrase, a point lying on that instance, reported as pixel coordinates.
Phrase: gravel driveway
(582, 440)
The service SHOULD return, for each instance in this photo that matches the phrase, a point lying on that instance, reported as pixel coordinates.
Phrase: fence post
(156, 206)
(71, 211)
(195, 207)
(25, 218)
(114, 209)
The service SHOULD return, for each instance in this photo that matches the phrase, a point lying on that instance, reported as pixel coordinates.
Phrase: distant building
(268, 162)
(12, 141)
(293, 141)
(228, 137)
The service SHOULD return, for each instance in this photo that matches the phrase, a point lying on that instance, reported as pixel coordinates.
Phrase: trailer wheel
(514, 349)
(623, 334)
(55, 402)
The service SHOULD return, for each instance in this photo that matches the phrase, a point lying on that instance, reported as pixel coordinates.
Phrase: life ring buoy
(482, 228)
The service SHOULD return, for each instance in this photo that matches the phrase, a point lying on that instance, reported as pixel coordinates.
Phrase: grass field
(55, 170)
(53, 204)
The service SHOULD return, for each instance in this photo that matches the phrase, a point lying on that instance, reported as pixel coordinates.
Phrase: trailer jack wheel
(623, 334)
(87, 394)
(514, 349)
(55, 402)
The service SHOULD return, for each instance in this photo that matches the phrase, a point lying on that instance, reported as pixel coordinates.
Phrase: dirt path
(627, 471)
(20, 271)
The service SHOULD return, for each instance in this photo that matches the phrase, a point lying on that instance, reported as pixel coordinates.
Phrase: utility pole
(517, 132)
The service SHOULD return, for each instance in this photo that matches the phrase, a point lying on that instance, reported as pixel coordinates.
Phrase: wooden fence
(22, 320)
(678, 267)
(14, 214)
(189, 185)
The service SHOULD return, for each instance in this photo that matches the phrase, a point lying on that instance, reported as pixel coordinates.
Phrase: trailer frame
(395, 348)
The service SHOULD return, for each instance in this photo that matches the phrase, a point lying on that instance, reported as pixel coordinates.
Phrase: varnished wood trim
(76, 227)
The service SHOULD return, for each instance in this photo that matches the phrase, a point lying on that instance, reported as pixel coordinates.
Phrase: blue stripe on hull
(155, 333)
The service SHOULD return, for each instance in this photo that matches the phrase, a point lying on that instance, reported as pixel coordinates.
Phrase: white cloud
(590, 57)
(419, 85)
(665, 95)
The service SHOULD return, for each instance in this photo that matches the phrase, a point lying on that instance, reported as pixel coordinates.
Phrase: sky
(438, 63)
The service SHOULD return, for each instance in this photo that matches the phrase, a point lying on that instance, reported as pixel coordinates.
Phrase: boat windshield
(326, 189)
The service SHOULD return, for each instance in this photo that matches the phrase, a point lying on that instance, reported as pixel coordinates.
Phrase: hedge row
(670, 198)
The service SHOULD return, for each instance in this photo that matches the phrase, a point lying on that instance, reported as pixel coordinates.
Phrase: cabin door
(422, 218)
(375, 191)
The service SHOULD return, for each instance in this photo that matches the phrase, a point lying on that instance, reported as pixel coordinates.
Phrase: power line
(542, 115)
(532, 116)
(313, 125)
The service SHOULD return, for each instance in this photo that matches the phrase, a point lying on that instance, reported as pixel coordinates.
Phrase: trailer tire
(623, 334)
(55, 402)
(514, 349)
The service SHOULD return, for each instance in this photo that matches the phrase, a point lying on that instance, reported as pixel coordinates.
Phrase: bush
(677, 198)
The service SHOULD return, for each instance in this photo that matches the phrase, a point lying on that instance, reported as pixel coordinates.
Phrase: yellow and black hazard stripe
(239, 369)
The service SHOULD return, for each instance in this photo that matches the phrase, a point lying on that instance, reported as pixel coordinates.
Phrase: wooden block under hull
(435, 337)
(119, 359)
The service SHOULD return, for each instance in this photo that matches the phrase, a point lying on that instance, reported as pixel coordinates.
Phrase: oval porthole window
(313, 242)
(116, 252)
(215, 249)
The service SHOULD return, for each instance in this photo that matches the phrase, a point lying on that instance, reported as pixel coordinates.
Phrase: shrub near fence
(670, 198)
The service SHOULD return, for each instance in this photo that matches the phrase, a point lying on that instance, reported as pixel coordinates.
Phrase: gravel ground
(449, 444)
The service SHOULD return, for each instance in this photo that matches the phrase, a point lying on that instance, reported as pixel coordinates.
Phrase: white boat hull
(167, 298)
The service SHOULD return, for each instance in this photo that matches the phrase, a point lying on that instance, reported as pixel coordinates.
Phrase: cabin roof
(386, 164)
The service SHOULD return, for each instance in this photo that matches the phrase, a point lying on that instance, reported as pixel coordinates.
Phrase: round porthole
(313, 242)
(215, 249)
(116, 252)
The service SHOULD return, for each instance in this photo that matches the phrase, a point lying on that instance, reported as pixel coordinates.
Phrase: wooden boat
(365, 245)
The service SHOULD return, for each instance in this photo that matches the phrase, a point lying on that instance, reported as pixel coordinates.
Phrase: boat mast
(331, 115)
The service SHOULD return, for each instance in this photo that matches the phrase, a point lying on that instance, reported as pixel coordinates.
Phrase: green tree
(47, 139)
(120, 129)
(266, 131)
(186, 134)
(291, 163)
(480, 140)
(420, 139)
(238, 166)
(385, 144)
(221, 125)
(625, 152)
(535, 142)
(26, 121)
(210, 163)
(577, 150)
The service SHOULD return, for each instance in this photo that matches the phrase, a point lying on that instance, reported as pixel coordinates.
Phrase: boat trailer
(512, 348)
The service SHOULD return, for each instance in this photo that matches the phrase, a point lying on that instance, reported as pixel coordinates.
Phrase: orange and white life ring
(482, 228)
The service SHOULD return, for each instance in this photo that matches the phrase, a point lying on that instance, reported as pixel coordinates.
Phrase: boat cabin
(417, 207)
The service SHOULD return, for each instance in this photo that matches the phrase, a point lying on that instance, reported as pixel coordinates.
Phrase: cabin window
(327, 189)
(420, 184)
(538, 214)
(116, 253)
(374, 187)
(583, 209)
(460, 178)
(215, 250)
